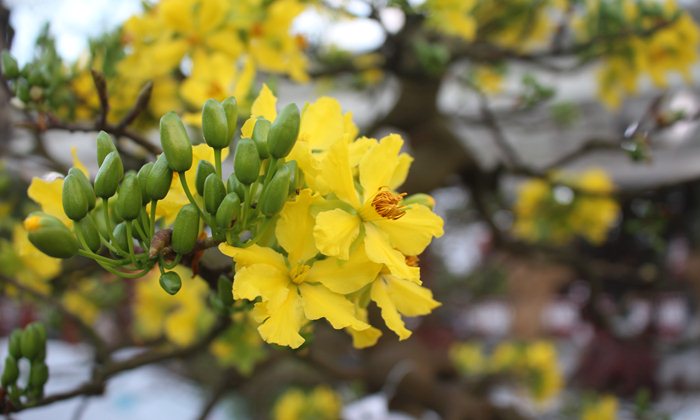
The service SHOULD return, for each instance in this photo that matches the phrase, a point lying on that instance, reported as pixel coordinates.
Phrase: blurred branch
(101, 86)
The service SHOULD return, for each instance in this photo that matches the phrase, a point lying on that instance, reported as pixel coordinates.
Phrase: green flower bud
(170, 282)
(228, 210)
(10, 372)
(40, 330)
(142, 178)
(22, 91)
(276, 192)
(246, 162)
(214, 193)
(38, 76)
(176, 143)
(231, 109)
(185, 230)
(129, 202)
(38, 375)
(109, 175)
(88, 230)
(233, 185)
(159, 179)
(204, 169)
(30, 343)
(260, 133)
(121, 239)
(284, 131)
(225, 288)
(105, 146)
(75, 204)
(296, 181)
(10, 69)
(420, 198)
(14, 344)
(215, 125)
(50, 236)
(85, 186)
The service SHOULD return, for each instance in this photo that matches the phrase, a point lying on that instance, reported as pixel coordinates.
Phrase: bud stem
(110, 228)
(152, 227)
(217, 162)
(188, 193)
(130, 242)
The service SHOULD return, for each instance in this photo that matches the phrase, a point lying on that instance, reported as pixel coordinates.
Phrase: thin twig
(101, 87)
(139, 107)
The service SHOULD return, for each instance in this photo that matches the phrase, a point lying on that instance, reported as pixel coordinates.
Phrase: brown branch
(101, 87)
(138, 108)
(53, 123)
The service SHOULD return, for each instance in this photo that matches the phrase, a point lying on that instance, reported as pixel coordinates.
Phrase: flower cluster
(651, 40)
(345, 239)
(311, 216)
(566, 207)
(319, 403)
(532, 364)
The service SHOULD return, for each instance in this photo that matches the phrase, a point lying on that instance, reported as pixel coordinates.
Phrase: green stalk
(217, 161)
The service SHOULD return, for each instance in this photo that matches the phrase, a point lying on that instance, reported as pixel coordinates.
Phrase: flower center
(298, 273)
(412, 260)
(386, 204)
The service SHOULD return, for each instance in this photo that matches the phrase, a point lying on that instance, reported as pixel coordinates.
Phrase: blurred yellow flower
(604, 408)
(182, 317)
(546, 212)
(321, 403)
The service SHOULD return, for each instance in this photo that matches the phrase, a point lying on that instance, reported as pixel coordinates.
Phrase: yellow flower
(604, 408)
(488, 79)
(79, 301)
(542, 215)
(397, 296)
(214, 76)
(453, 17)
(321, 403)
(295, 289)
(36, 268)
(469, 358)
(375, 215)
(540, 359)
(182, 317)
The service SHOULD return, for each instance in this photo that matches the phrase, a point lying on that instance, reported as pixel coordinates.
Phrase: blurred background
(558, 139)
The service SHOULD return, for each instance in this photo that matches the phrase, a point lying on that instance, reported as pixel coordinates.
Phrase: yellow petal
(263, 106)
(335, 231)
(336, 170)
(47, 194)
(322, 123)
(410, 299)
(77, 163)
(254, 254)
(364, 338)
(378, 165)
(401, 171)
(412, 233)
(295, 228)
(320, 302)
(380, 251)
(345, 277)
(392, 318)
(284, 323)
(260, 280)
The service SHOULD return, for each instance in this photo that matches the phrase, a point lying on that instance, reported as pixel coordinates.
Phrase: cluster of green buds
(29, 344)
(114, 217)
